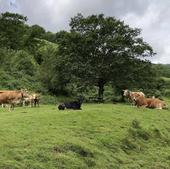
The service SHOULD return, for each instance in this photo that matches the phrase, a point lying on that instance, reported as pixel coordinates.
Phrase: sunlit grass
(113, 136)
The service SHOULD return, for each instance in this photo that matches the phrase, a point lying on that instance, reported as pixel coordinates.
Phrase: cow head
(126, 92)
(165, 106)
(24, 94)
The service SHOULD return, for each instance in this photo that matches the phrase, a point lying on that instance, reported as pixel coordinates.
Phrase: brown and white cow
(32, 100)
(150, 103)
(11, 97)
(131, 95)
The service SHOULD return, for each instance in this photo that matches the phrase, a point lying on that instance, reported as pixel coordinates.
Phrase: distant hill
(163, 70)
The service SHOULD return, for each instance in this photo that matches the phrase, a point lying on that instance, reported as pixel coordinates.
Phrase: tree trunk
(122, 97)
(100, 91)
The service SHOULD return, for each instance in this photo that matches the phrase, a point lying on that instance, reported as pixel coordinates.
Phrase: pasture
(101, 136)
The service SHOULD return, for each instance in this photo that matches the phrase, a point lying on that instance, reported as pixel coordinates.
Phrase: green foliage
(18, 70)
(162, 70)
(102, 49)
(12, 30)
(48, 99)
(50, 77)
(49, 36)
(24, 62)
(97, 58)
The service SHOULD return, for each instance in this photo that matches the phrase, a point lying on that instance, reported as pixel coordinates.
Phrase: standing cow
(32, 100)
(12, 97)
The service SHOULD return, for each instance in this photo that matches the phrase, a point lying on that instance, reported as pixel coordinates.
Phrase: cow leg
(32, 102)
(38, 102)
(35, 102)
(12, 106)
(159, 108)
(23, 103)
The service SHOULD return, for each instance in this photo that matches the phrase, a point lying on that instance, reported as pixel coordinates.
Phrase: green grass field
(101, 136)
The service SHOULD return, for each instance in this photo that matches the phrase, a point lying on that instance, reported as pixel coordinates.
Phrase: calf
(36, 99)
(150, 102)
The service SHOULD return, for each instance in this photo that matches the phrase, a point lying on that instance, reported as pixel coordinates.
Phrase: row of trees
(97, 51)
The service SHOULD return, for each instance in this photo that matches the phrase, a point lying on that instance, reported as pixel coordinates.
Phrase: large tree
(102, 49)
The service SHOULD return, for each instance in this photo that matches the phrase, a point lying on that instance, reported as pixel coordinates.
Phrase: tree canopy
(96, 52)
(101, 49)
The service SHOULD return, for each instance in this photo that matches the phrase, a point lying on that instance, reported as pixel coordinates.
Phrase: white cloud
(155, 30)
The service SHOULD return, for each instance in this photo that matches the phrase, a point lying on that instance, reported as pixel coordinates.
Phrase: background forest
(97, 58)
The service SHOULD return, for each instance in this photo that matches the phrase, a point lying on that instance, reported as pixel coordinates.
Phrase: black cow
(75, 105)
(61, 106)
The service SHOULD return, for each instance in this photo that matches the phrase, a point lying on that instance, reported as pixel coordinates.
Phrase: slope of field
(101, 136)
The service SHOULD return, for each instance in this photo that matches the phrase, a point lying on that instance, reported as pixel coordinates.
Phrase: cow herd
(11, 98)
(139, 100)
(135, 98)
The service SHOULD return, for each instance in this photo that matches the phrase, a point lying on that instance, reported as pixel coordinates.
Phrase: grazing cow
(76, 105)
(150, 103)
(131, 95)
(11, 97)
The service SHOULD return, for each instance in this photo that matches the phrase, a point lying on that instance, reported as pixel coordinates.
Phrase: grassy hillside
(101, 136)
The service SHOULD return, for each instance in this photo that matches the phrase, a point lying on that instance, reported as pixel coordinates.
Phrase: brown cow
(11, 97)
(131, 95)
(150, 102)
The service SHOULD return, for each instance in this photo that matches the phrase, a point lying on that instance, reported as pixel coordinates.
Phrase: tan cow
(150, 102)
(131, 95)
(11, 97)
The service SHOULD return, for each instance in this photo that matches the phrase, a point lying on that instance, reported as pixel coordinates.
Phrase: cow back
(10, 96)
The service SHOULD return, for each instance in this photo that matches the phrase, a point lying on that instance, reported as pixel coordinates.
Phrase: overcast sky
(152, 16)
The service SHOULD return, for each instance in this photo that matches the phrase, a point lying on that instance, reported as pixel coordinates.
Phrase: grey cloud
(56, 14)
(4, 6)
(150, 15)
